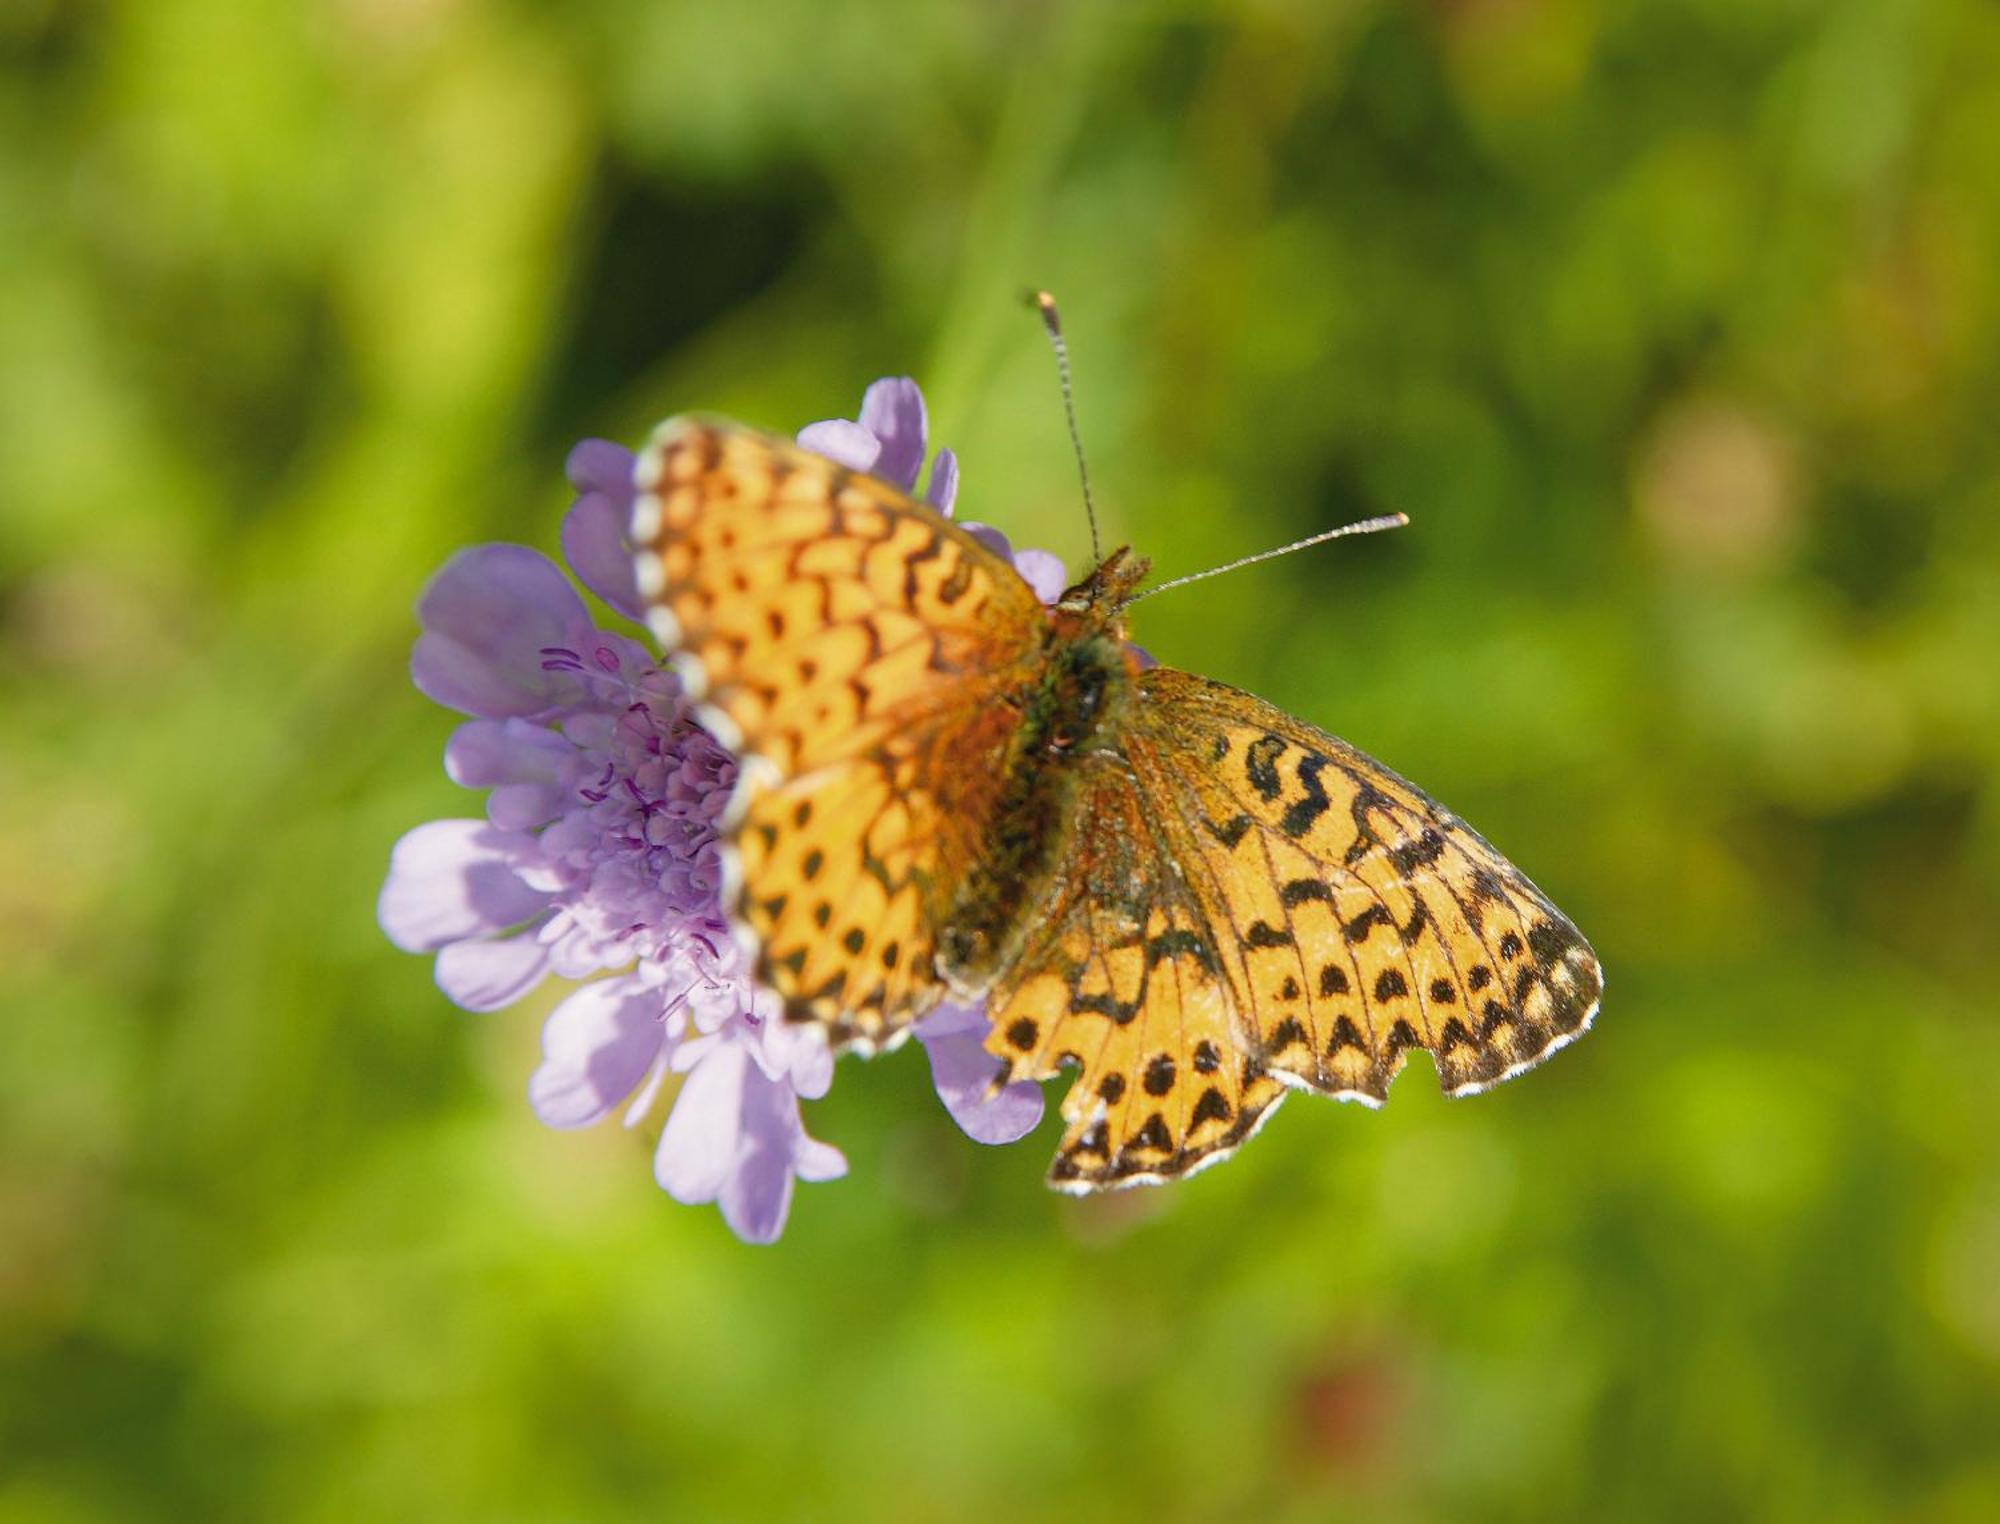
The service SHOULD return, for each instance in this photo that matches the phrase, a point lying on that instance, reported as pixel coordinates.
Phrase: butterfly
(947, 791)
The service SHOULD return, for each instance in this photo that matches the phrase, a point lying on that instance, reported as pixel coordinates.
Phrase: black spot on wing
(1287, 1034)
(1230, 832)
(1548, 941)
(1367, 800)
(1413, 928)
(1153, 1136)
(1312, 804)
(1357, 930)
(1178, 943)
(1260, 764)
(1421, 853)
(1102, 1004)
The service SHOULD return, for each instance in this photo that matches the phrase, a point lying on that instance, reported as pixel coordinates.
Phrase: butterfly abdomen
(1074, 701)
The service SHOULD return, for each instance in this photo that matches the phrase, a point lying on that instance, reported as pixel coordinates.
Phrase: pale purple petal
(489, 617)
(595, 541)
(844, 441)
(794, 1051)
(699, 1143)
(596, 1048)
(484, 753)
(713, 1004)
(1043, 572)
(524, 806)
(598, 465)
(814, 1161)
(963, 1072)
(892, 410)
(773, 1149)
(735, 1138)
(452, 879)
(943, 489)
(484, 976)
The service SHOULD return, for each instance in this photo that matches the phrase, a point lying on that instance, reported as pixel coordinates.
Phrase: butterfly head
(1106, 591)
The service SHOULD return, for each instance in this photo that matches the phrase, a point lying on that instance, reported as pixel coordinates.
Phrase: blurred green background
(1672, 325)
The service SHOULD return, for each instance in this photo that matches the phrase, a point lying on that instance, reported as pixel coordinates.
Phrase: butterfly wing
(848, 644)
(1126, 977)
(1335, 917)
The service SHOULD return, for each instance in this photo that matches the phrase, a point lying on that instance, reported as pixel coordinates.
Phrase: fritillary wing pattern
(1372, 920)
(1125, 978)
(1261, 904)
(847, 643)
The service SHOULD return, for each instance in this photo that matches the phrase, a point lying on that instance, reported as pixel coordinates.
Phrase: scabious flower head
(597, 859)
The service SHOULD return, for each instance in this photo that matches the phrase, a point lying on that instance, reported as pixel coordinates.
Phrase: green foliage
(1672, 325)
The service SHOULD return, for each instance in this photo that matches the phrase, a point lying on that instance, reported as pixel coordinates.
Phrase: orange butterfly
(948, 790)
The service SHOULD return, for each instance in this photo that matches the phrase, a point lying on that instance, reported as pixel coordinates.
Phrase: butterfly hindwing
(1124, 978)
(846, 642)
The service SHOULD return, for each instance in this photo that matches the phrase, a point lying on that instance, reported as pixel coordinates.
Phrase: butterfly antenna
(1365, 526)
(1052, 321)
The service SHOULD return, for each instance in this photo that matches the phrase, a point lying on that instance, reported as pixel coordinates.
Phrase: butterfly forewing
(849, 644)
(1372, 920)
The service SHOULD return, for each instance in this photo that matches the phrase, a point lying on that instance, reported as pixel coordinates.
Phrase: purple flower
(597, 860)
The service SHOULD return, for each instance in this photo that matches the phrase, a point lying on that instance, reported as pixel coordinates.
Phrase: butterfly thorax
(1071, 702)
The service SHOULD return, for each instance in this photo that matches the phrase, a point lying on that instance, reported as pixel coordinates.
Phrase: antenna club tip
(1045, 303)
